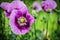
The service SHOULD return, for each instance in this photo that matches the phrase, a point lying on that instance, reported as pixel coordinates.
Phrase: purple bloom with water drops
(48, 5)
(36, 6)
(8, 7)
(20, 22)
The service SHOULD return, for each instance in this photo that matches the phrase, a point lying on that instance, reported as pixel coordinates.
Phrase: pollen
(22, 20)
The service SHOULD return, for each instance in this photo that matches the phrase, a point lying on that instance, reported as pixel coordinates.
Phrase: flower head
(36, 6)
(58, 21)
(48, 4)
(8, 7)
(20, 22)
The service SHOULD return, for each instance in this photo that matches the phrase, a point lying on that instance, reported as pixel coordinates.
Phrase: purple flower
(58, 21)
(36, 6)
(20, 22)
(8, 7)
(48, 4)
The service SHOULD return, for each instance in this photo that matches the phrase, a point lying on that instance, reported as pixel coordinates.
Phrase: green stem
(47, 25)
(34, 29)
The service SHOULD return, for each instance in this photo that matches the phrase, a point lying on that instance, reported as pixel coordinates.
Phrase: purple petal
(17, 0)
(4, 5)
(30, 18)
(6, 14)
(18, 5)
(52, 4)
(49, 4)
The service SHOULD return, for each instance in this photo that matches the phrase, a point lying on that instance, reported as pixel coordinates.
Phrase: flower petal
(17, 5)
(6, 14)
(30, 18)
(4, 5)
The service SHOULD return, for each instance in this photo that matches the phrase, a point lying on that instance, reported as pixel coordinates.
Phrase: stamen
(22, 20)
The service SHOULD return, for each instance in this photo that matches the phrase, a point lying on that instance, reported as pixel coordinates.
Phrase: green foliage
(52, 22)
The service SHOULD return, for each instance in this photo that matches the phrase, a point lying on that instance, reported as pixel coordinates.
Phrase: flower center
(35, 8)
(22, 20)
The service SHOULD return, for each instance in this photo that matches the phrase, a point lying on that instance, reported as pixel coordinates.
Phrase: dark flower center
(35, 8)
(58, 21)
(43, 8)
(22, 22)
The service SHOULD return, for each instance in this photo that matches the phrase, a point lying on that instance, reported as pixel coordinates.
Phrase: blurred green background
(45, 27)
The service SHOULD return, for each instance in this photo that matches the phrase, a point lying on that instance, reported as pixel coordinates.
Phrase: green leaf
(52, 23)
(41, 21)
